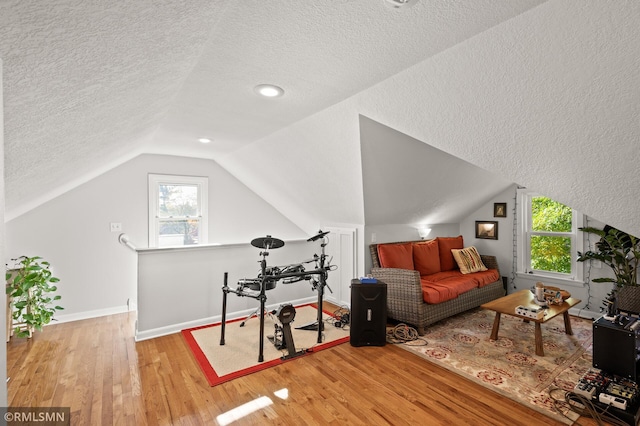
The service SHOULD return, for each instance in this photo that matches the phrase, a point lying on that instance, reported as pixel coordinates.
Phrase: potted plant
(621, 252)
(29, 289)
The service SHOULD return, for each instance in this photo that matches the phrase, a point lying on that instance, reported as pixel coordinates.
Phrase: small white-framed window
(549, 238)
(177, 210)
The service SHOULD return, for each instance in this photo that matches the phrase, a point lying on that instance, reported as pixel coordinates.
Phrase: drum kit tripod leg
(286, 312)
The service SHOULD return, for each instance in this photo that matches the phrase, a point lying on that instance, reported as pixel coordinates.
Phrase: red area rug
(509, 365)
(239, 355)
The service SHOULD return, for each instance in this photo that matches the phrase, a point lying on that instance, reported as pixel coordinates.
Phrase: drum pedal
(310, 326)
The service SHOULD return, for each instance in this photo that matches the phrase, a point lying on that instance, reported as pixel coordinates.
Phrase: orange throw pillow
(426, 257)
(468, 260)
(445, 245)
(396, 255)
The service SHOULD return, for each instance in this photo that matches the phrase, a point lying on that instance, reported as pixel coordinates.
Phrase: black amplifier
(368, 313)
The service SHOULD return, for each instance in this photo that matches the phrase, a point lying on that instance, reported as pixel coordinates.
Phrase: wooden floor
(95, 367)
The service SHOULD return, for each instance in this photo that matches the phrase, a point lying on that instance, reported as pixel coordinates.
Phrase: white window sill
(550, 280)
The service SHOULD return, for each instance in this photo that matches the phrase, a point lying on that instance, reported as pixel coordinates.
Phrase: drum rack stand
(266, 243)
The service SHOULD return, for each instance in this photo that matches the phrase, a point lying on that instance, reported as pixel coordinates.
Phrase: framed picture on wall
(499, 209)
(487, 230)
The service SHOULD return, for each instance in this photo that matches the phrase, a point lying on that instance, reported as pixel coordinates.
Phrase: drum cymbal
(267, 242)
(318, 236)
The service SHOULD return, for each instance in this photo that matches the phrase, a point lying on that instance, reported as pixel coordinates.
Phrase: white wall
(182, 288)
(408, 181)
(403, 232)
(97, 273)
(502, 248)
(590, 293)
(3, 310)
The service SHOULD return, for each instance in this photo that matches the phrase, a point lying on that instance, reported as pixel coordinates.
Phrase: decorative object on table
(539, 293)
(29, 288)
(620, 252)
(487, 230)
(564, 294)
(499, 209)
(509, 304)
(547, 295)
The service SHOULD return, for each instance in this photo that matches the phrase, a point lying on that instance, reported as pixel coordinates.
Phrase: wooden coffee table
(507, 305)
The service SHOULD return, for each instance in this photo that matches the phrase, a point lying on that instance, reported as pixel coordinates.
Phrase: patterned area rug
(509, 365)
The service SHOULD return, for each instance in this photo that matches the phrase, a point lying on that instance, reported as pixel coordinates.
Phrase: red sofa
(425, 282)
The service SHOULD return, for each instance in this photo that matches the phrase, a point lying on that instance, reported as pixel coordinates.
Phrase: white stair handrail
(124, 239)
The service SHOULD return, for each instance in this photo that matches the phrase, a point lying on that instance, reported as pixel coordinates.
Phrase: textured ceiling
(89, 84)
(547, 99)
(86, 82)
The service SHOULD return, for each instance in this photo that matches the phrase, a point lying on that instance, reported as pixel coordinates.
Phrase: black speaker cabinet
(368, 313)
(614, 349)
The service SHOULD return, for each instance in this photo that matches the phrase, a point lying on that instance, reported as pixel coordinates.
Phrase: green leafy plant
(619, 251)
(30, 285)
(550, 252)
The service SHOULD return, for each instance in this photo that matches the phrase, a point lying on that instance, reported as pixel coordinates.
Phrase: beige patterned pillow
(468, 260)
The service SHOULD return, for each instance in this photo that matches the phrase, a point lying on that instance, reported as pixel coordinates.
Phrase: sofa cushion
(484, 278)
(434, 293)
(443, 275)
(480, 278)
(461, 283)
(447, 288)
(426, 257)
(447, 285)
(396, 255)
(445, 244)
(468, 260)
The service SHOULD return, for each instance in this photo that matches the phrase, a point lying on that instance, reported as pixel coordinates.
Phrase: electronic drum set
(256, 288)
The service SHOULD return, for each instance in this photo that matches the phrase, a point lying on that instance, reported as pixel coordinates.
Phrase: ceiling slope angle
(319, 54)
(322, 57)
(409, 182)
(88, 85)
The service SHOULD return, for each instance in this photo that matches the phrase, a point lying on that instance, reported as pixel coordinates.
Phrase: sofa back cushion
(468, 260)
(426, 257)
(396, 255)
(445, 245)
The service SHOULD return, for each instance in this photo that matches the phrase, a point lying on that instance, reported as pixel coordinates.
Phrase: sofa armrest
(403, 286)
(490, 262)
(404, 295)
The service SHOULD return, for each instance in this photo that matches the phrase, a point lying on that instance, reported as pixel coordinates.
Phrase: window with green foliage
(550, 235)
(549, 241)
(177, 210)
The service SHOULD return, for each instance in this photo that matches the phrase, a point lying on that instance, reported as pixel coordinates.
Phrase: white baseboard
(583, 313)
(176, 328)
(60, 318)
(337, 302)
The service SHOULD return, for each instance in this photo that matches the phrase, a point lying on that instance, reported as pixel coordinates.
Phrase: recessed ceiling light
(204, 140)
(397, 4)
(269, 90)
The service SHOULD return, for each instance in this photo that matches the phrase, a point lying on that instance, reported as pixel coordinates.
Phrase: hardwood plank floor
(95, 367)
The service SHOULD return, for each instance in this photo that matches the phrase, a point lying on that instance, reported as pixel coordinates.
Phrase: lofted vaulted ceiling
(88, 84)
(91, 84)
